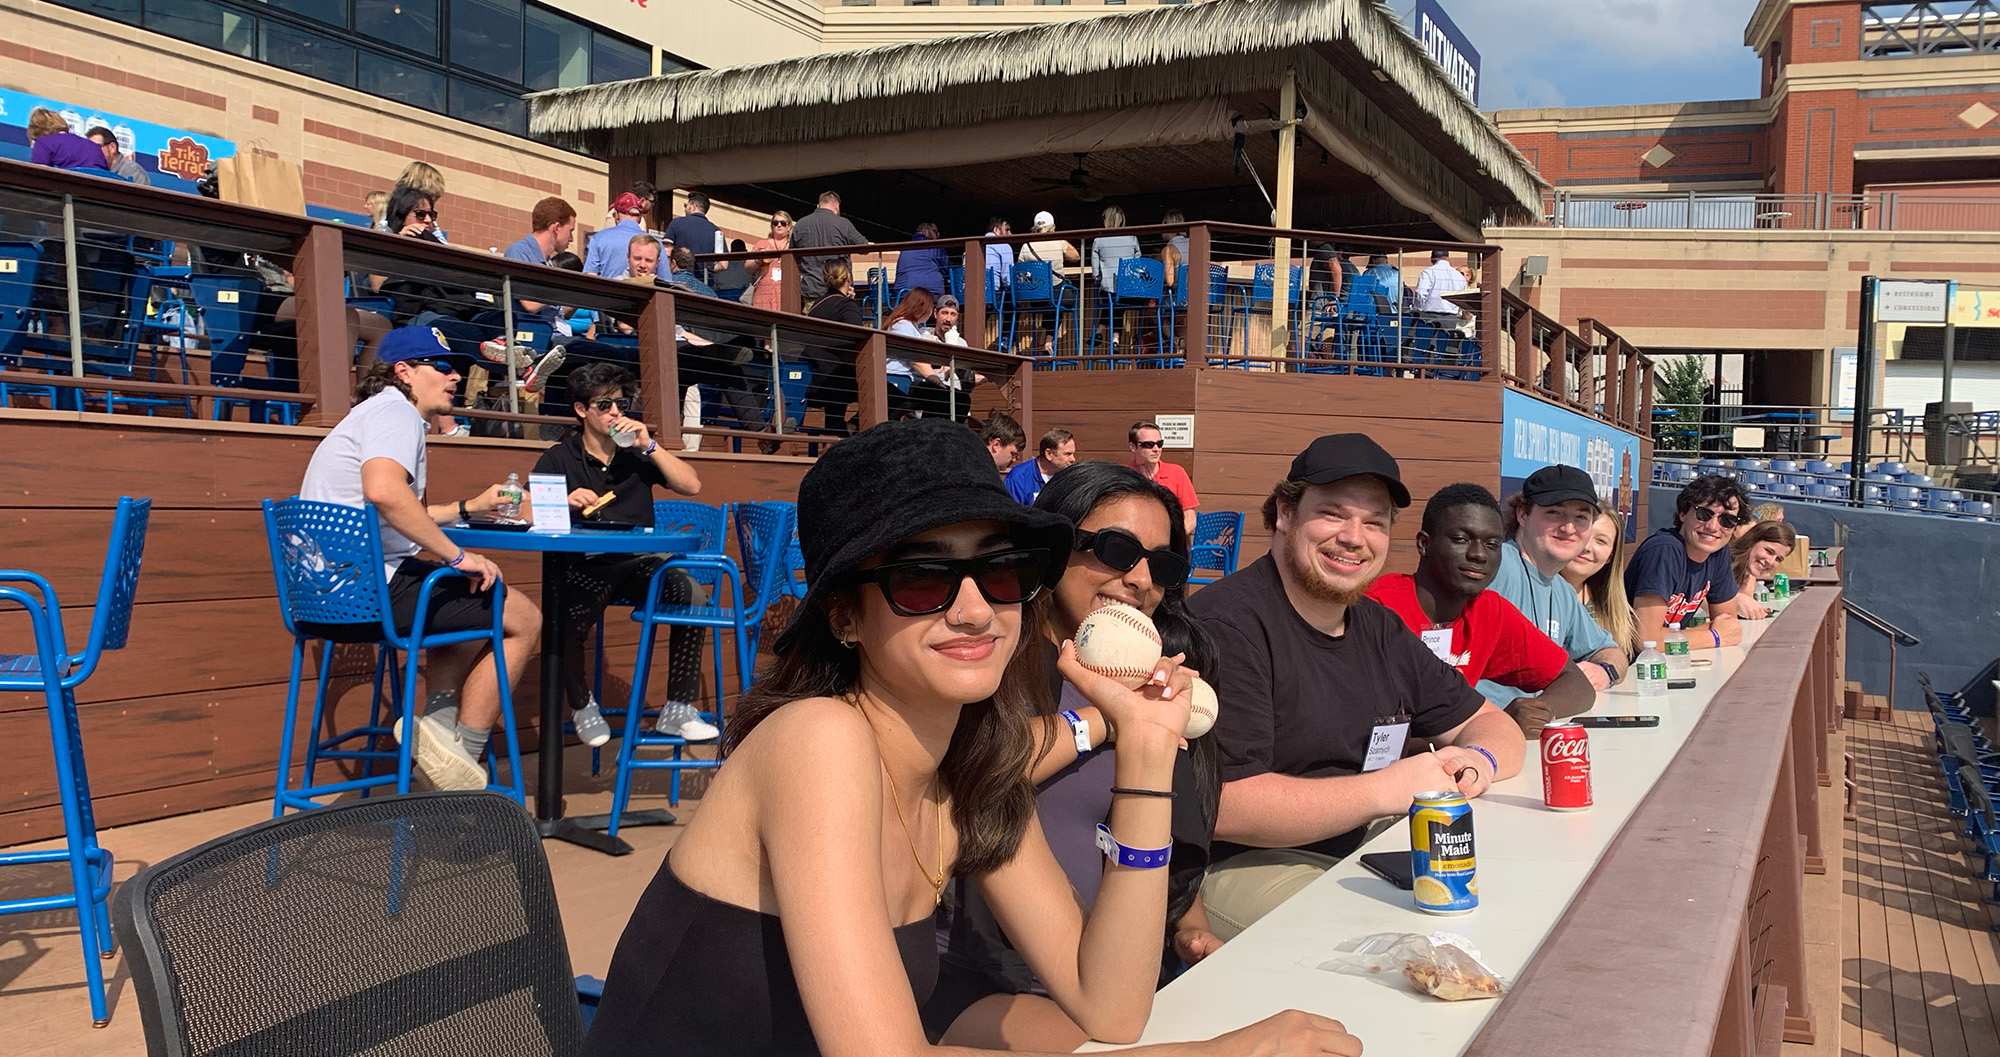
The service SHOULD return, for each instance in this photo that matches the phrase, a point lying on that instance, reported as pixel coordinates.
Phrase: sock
(441, 701)
(474, 739)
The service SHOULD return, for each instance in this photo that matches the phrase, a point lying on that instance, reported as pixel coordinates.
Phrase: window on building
(557, 51)
(486, 36)
(615, 60)
(306, 53)
(383, 76)
(487, 107)
(201, 22)
(411, 24)
(122, 10)
(331, 12)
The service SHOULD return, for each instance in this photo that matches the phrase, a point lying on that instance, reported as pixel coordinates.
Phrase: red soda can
(1565, 767)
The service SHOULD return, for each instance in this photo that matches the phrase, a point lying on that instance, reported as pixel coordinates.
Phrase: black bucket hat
(896, 480)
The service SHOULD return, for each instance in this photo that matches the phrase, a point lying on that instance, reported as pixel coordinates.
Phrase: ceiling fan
(1078, 181)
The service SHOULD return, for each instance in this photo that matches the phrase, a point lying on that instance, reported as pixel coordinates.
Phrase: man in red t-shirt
(1147, 441)
(1472, 629)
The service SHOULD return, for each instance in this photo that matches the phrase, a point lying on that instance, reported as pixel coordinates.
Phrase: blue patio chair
(1036, 295)
(711, 523)
(1220, 333)
(327, 560)
(228, 305)
(1218, 536)
(1366, 335)
(55, 673)
(1142, 287)
(20, 262)
(794, 377)
(763, 532)
(381, 306)
(118, 321)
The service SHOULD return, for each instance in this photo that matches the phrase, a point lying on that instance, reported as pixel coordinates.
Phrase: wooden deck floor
(1919, 970)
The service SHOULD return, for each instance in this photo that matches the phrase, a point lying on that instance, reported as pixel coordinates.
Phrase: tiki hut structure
(1156, 108)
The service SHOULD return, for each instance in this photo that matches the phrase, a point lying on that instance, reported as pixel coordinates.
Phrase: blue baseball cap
(419, 343)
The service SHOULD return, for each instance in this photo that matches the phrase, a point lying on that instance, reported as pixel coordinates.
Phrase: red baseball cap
(628, 204)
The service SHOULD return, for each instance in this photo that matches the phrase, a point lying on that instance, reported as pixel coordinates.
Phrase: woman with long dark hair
(1131, 548)
(887, 750)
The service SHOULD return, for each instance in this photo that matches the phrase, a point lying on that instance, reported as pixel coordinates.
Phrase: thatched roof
(1143, 56)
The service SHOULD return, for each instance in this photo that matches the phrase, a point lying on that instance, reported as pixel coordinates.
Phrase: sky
(1536, 53)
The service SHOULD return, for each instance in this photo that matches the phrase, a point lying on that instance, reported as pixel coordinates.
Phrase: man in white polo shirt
(376, 455)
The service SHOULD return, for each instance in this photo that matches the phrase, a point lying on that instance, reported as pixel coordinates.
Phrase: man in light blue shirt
(1556, 508)
(606, 255)
(999, 258)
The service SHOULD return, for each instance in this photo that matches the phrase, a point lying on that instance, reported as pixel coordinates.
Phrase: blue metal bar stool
(676, 515)
(1218, 534)
(763, 532)
(1141, 285)
(327, 558)
(55, 673)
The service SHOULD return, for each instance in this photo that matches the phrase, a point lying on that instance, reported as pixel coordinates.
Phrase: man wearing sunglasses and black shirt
(613, 483)
(1683, 569)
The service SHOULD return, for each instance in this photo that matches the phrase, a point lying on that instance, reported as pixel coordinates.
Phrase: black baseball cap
(1560, 484)
(1338, 456)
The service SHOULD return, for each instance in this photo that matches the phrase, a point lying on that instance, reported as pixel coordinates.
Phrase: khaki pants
(1250, 885)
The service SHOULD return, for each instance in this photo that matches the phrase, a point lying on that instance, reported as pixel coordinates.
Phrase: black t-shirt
(1305, 704)
(631, 475)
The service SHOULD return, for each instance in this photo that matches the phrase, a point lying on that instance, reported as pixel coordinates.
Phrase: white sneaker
(440, 757)
(681, 720)
(590, 725)
(538, 376)
(501, 352)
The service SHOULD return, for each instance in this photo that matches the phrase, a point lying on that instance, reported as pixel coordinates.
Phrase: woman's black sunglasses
(920, 588)
(1121, 550)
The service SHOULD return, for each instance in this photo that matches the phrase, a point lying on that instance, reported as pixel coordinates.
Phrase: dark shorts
(958, 987)
(455, 606)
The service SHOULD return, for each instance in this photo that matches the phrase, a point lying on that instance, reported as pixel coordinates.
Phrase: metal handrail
(1869, 618)
(1897, 637)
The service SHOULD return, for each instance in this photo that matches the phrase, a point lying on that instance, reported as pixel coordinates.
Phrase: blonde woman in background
(769, 272)
(377, 204)
(1598, 574)
(425, 179)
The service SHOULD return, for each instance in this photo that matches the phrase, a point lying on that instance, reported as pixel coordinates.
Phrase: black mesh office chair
(416, 925)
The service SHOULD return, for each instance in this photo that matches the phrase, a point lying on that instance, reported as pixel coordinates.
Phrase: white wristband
(1081, 729)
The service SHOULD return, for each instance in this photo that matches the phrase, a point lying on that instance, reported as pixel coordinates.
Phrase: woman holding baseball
(885, 751)
(1131, 550)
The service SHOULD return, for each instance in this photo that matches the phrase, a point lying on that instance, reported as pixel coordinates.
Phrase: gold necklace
(896, 798)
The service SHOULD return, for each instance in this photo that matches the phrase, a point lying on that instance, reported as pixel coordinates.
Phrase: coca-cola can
(1565, 767)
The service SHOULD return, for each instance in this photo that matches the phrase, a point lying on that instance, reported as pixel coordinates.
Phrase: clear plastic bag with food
(1443, 964)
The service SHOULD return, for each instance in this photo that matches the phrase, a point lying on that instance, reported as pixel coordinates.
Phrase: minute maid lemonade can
(1441, 858)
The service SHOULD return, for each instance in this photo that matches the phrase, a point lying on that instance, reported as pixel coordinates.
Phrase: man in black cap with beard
(1347, 684)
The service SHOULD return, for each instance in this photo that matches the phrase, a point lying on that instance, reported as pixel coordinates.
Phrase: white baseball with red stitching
(1119, 642)
(1202, 708)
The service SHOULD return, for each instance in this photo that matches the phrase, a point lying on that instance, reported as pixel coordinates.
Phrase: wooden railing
(322, 256)
(1688, 939)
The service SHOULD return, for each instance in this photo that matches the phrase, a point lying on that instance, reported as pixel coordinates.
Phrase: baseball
(1118, 642)
(1201, 708)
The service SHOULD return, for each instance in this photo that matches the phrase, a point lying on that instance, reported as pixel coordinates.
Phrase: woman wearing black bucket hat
(886, 750)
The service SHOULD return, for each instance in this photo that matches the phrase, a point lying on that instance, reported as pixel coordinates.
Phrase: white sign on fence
(1176, 430)
(1912, 300)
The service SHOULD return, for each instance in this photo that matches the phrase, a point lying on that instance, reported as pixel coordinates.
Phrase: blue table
(558, 551)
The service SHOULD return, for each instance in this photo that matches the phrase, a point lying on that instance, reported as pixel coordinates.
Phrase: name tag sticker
(10, 266)
(1385, 745)
(228, 297)
(524, 336)
(488, 298)
(1439, 640)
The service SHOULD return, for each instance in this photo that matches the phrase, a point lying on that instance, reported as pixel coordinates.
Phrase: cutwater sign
(1448, 45)
(1540, 434)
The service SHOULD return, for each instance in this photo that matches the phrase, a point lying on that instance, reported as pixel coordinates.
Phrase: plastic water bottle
(1677, 648)
(510, 498)
(1651, 669)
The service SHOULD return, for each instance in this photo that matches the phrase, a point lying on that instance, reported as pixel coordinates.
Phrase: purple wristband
(1489, 759)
